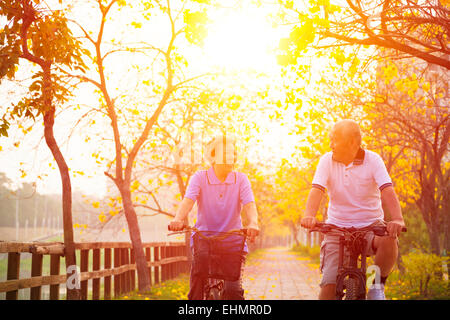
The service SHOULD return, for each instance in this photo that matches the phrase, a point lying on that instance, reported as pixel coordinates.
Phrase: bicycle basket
(218, 255)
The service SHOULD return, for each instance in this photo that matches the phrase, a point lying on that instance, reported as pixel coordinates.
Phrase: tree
(42, 37)
(124, 110)
(410, 28)
(402, 107)
(411, 108)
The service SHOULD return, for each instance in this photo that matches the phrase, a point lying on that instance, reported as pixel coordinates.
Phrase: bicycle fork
(355, 285)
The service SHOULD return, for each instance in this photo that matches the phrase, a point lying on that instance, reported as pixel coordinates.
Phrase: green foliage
(422, 278)
(417, 235)
(175, 289)
(312, 252)
(41, 37)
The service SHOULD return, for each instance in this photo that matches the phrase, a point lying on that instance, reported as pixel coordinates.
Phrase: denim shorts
(329, 254)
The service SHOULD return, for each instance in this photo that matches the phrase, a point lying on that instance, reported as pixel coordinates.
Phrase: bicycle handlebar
(326, 228)
(186, 228)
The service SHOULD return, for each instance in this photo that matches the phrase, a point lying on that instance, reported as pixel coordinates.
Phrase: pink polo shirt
(219, 203)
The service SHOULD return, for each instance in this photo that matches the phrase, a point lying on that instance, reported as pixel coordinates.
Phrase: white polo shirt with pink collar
(354, 190)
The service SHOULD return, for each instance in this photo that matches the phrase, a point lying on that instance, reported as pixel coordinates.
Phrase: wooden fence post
(124, 275)
(148, 258)
(156, 259)
(107, 281)
(13, 273)
(128, 273)
(170, 265)
(84, 266)
(177, 264)
(54, 271)
(117, 278)
(36, 271)
(95, 267)
(163, 266)
(132, 272)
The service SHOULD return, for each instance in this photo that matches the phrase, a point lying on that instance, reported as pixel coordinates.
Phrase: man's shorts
(329, 255)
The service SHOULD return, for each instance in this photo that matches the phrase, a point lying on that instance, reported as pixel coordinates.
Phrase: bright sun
(241, 41)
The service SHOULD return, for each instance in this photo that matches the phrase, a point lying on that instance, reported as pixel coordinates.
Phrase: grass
(178, 288)
(312, 253)
(175, 289)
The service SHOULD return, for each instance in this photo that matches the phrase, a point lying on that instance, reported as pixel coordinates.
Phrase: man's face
(340, 145)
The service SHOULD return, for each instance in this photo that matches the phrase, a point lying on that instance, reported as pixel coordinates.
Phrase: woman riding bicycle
(220, 193)
(358, 183)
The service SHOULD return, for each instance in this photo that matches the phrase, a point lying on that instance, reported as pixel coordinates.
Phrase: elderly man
(358, 183)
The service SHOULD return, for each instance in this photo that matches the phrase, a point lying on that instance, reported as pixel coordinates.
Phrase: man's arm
(312, 205)
(390, 200)
(183, 210)
(252, 216)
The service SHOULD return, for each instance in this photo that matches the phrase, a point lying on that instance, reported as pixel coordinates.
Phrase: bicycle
(351, 278)
(218, 256)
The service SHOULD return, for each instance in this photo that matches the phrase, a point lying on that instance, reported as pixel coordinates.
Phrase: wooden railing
(165, 260)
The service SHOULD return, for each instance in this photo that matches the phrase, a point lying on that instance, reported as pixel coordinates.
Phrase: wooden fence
(165, 260)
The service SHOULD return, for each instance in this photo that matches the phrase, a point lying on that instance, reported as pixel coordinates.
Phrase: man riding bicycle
(220, 193)
(357, 183)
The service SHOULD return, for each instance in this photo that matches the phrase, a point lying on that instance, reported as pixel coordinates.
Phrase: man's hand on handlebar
(252, 233)
(394, 228)
(308, 222)
(176, 225)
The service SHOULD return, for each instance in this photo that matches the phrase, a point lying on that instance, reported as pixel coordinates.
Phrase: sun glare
(241, 41)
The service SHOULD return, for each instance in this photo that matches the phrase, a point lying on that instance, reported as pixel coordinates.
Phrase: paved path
(280, 274)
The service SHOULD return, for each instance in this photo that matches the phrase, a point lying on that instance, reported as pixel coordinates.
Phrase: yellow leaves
(389, 72)
(113, 212)
(96, 204)
(380, 98)
(81, 173)
(135, 185)
(137, 25)
(354, 66)
(24, 174)
(339, 56)
(195, 30)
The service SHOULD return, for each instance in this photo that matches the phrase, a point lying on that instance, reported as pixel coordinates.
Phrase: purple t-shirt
(219, 203)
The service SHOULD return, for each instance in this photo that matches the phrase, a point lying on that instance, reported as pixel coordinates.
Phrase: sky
(237, 41)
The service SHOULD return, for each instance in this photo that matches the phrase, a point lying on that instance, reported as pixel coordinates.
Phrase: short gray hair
(349, 129)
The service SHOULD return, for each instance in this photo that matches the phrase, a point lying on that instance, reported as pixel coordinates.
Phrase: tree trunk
(49, 120)
(294, 230)
(135, 236)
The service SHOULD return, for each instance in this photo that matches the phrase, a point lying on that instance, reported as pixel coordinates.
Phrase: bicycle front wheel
(350, 287)
(214, 294)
